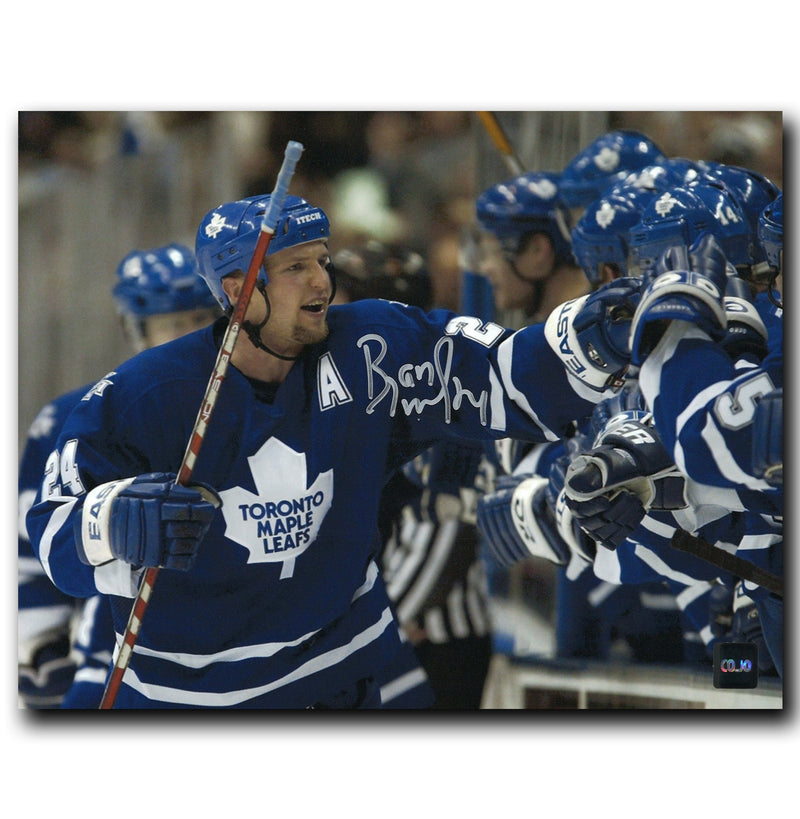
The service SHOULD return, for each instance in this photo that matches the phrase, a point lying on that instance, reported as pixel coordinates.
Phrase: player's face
(164, 327)
(299, 291)
(508, 290)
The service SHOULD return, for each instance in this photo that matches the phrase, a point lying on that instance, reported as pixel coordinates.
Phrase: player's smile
(317, 308)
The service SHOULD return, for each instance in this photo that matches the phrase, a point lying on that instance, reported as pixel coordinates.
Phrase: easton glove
(590, 334)
(147, 521)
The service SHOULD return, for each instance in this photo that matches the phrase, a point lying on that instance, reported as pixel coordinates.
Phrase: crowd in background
(408, 177)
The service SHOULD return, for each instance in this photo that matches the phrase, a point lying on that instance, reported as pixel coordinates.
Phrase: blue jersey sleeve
(703, 405)
(43, 607)
(460, 376)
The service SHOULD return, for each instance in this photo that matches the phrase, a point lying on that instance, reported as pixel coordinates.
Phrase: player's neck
(259, 364)
(565, 283)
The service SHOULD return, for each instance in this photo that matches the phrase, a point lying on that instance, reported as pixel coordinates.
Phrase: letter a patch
(331, 389)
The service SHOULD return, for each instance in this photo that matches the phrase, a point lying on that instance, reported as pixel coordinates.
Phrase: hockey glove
(451, 467)
(46, 678)
(517, 522)
(693, 295)
(628, 398)
(582, 548)
(720, 610)
(610, 488)
(147, 521)
(746, 333)
(767, 451)
(590, 334)
(608, 520)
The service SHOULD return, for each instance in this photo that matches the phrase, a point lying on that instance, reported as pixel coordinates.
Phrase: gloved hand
(694, 295)
(608, 520)
(746, 333)
(610, 487)
(767, 448)
(582, 548)
(517, 522)
(629, 397)
(147, 521)
(720, 610)
(47, 676)
(590, 334)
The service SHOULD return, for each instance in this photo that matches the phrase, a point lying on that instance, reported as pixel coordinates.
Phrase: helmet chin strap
(537, 284)
(254, 330)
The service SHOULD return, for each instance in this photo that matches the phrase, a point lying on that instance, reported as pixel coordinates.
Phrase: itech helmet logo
(309, 217)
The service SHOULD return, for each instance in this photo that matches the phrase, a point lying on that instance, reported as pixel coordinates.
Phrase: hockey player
(601, 237)
(606, 160)
(427, 519)
(271, 596)
(711, 453)
(536, 270)
(159, 296)
(707, 416)
(515, 212)
(530, 504)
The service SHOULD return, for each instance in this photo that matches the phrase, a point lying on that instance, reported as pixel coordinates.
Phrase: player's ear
(232, 285)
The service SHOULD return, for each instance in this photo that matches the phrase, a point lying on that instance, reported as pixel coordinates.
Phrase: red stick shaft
(187, 465)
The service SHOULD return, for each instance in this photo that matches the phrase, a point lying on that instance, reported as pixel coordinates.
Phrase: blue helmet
(692, 169)
(770, 232)
(162, 280)
(677, 217)
(528, 203)
(650, 178)
(753, 191)
(227, 236)
(602, 234)
(666, 174)
(605, 161)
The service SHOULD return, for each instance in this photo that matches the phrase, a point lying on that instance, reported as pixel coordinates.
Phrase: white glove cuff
(525, 522)
(563, 340)
(95, 521)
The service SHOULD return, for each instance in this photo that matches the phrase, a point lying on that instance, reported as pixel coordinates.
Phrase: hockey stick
(268, 223)
(501, 142)
(744, 569)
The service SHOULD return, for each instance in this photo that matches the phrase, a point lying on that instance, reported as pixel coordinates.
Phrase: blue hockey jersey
(285, 605)
(42, 607)
(704, 403)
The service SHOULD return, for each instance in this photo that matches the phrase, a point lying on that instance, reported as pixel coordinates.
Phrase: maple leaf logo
(543, 188)
(44, 423)
(282, 520)
(665, 203)
(605, 216)
(607, 159)
(215, 226)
